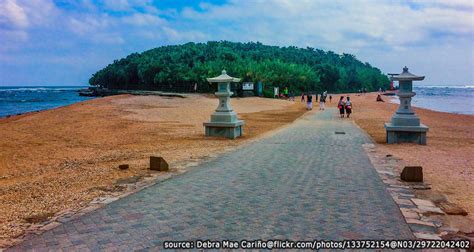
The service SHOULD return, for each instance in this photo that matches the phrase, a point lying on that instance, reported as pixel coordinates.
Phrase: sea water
(19, 100)
(451, 99)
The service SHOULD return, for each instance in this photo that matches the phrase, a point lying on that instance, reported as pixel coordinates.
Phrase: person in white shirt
(348, 106)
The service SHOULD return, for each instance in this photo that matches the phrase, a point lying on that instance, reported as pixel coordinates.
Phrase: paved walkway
(303, 183)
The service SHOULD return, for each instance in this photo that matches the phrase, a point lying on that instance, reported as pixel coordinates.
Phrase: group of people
(344, 106)
(362, 91)
(309, 100)
(287, 94)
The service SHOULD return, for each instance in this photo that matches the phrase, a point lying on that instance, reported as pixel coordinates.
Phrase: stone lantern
(224, 120)
(405, 126)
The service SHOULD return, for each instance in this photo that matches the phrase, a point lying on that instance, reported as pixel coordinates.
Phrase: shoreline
(17, 101)
(107, 92)
(392, 100)
(19, 115)
(37, 111)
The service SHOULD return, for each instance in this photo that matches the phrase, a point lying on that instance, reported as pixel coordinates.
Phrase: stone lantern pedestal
(405, 126)
(224, 122)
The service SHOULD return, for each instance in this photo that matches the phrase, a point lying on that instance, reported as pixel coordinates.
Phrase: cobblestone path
(305, 182)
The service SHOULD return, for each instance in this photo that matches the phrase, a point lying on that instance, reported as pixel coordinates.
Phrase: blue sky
(45, 42)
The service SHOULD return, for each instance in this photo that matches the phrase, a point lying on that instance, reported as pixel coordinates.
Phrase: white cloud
(89, 24)
(467, 5)
(99, 29)
(22, 14)
(19, 17)
(385, 33)
(140, 19)
(108, 38)
(39, 12)
(333, 24)
(12, 15)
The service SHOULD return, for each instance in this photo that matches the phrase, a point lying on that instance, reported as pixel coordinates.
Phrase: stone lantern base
(406, 134)
(225, 129)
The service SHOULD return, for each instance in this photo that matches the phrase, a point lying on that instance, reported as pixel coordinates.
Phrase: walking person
(330, 98)
(348, 106)
(341, 105)
(316, 95)
(322, 102)
(302, 96)
(309, 102)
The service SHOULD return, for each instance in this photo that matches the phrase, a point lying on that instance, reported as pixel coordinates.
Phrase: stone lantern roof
(223, 78)
(407, 76)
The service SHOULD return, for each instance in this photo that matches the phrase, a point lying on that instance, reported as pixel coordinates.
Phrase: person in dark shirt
(309, 102)
(322, 102)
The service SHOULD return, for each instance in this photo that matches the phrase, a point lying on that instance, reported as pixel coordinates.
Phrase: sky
(46, 42)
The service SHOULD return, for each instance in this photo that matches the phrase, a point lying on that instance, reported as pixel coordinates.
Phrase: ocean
(451, 99)
(19, 100)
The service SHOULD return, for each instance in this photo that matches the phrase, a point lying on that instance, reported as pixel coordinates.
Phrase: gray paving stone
(313, 184)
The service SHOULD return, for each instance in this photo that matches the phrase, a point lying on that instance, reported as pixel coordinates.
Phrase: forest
(178, 68)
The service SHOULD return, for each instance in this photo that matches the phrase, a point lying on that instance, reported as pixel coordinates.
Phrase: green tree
(178, 67)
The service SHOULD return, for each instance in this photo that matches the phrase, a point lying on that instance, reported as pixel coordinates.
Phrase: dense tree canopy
(179, 67)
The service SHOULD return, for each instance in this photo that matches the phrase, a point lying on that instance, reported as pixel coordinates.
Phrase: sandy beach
(63, 158)
(447, 160)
